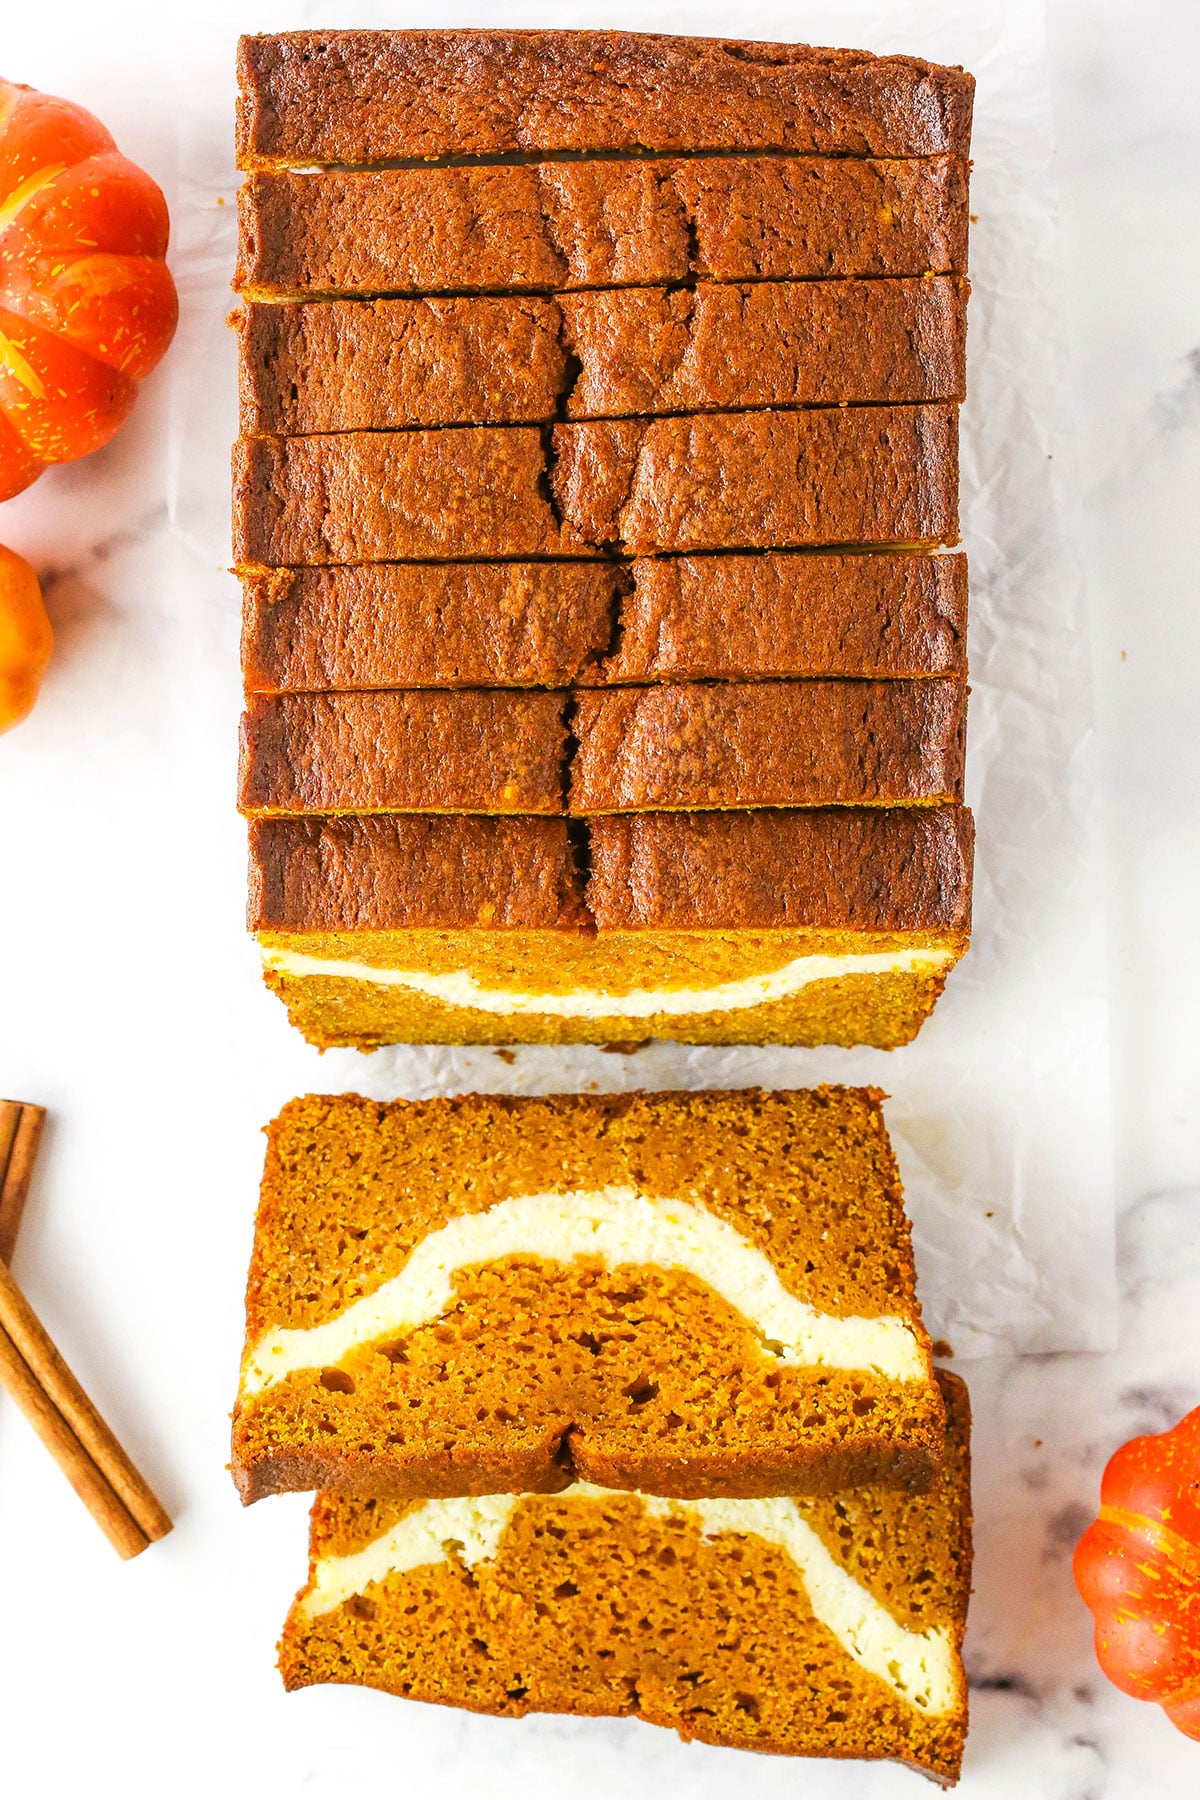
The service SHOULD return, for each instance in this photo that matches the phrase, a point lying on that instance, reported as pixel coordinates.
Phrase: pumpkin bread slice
(550, 227)
(826, 926)
(689, 1294)
(818, 1627)
(364, 96)
(764, 616)
(709, 481)
(385, 365)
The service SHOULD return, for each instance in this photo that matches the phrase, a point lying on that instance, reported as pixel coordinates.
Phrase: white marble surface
(161, 1670)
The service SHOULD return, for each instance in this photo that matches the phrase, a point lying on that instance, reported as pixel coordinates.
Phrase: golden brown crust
(903, 870)
(691, 618)
(677, 345)
(355, 96)
(733, 745)
(643, 1377)
(556, 226)
(395, 873)
(762, 218)
(481, 751)
(768, 744)
(700, 618)
(727, 1648)
(351, 365)
(438, 625)
(710, 481)
(807, 1437)
(769, 343)
(358, 365)
(374, 496)
(672, 902)
(729, 481)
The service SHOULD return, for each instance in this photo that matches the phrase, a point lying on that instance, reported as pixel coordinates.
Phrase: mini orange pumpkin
(26, 639)
(1138, 1568)
(87, 305)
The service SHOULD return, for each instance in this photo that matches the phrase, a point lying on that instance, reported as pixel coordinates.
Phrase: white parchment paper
(1000, 1110)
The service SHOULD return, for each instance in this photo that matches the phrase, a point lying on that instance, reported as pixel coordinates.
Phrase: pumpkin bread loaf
(534, 324)
(344, 365)
(685, 618)
(800, 927)
(365, 96)
(807, 1627)
(717, 481)
(692, 1294)
(550, 227)
(607, 367)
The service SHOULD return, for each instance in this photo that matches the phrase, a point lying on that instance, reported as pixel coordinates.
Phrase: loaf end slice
(362, 96)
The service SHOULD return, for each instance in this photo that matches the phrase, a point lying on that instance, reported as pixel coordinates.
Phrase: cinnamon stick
(20, 1134)
(21, 1325)
(43, 1386)
(96, 1492)
(10, 1118)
